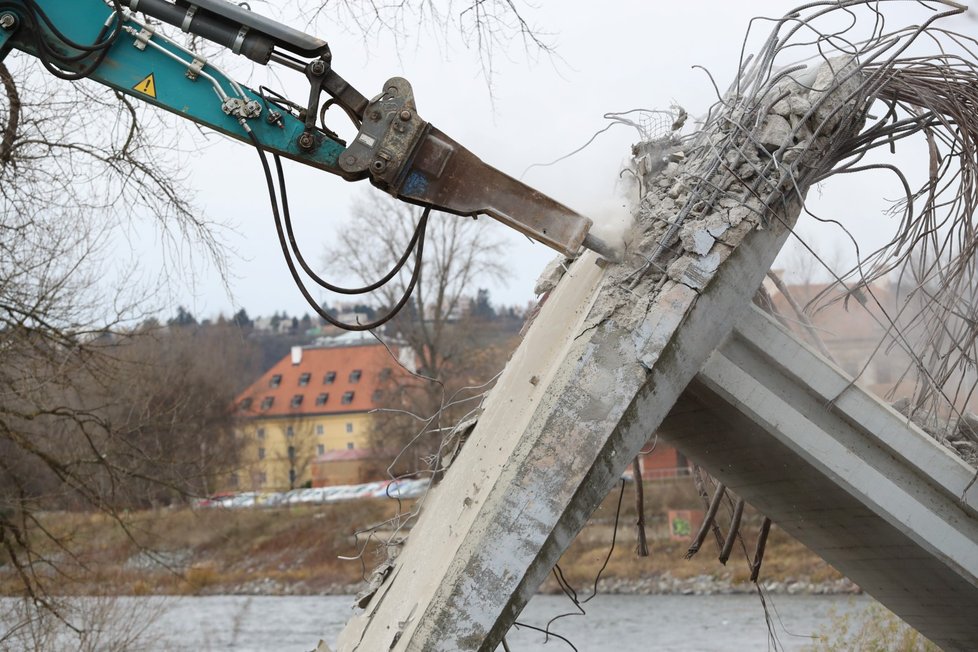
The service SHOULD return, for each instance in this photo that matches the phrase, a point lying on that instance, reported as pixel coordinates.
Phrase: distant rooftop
(324, 380)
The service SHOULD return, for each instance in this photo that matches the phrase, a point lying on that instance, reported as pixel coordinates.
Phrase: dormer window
(347, 398)
(329, 378)
(246, 404)
(355, 375)
(304, 379)
(322, 398)
(275, 381)
(267, 402)
(296, 400)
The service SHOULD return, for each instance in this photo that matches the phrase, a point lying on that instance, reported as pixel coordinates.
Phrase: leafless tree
(489, 27)
(459, 252)
(80, 169)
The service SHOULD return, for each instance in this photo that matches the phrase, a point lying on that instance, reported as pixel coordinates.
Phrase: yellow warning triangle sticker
(147, 86)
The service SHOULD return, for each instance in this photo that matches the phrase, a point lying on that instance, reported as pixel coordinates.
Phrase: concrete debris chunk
(696, 238)
(792, 106)
(695, 271)
(961, 437)
(716, 225)
(551, 275)
(775, 131)
(837, 78)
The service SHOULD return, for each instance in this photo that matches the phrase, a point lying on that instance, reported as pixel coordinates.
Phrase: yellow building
(312, 404)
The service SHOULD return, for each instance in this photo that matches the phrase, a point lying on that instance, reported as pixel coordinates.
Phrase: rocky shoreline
(664, 584)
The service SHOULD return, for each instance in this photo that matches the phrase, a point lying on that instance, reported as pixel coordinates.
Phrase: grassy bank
(295, 550)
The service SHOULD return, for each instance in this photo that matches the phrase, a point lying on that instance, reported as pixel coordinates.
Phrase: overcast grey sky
(609, 57)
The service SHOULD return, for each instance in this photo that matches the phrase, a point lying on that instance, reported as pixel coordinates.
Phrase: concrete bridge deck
(841, 472)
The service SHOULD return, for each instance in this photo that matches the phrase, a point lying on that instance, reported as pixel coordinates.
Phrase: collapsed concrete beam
(841, 472)
(600, 368)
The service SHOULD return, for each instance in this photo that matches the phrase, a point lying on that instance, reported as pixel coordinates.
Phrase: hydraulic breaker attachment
(418, 163)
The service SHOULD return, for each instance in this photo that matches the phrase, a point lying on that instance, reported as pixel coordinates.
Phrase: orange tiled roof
(326, 370)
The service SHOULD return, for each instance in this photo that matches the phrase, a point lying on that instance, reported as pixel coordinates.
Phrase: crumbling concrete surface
(606, 358)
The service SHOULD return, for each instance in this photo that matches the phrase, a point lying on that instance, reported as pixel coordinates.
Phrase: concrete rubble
(962, 438)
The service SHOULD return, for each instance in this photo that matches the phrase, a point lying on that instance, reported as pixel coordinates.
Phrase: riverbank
(310, 550)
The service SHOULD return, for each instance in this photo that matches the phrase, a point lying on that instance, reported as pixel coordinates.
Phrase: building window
(262, 477)
(267, 402)
(304, 379)
(297, 400)
(319, 428)
(246, 404)
(385, 373)
(347, 398)
(378, 394)
(290, 432)
(320, 449)
(329, 378)
(355, 375)
(261, 433)
(322, 398)
(234, 480)
(349, 445)
(261, 453)
(275, 380)
(292, 453)
(349, 427)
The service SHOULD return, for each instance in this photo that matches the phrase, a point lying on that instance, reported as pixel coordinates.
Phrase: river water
(621, 623)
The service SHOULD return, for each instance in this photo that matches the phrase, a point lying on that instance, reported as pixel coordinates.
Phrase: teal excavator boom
(117, 43)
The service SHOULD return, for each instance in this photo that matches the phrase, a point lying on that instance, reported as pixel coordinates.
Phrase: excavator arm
(395, 149)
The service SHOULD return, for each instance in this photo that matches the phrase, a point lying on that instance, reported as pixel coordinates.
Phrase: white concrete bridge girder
(840, 471)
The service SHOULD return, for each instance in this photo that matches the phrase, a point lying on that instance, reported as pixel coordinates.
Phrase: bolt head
(317, 67)
(306, 141)
(405, 115)
(7, 21)
(350, 159)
